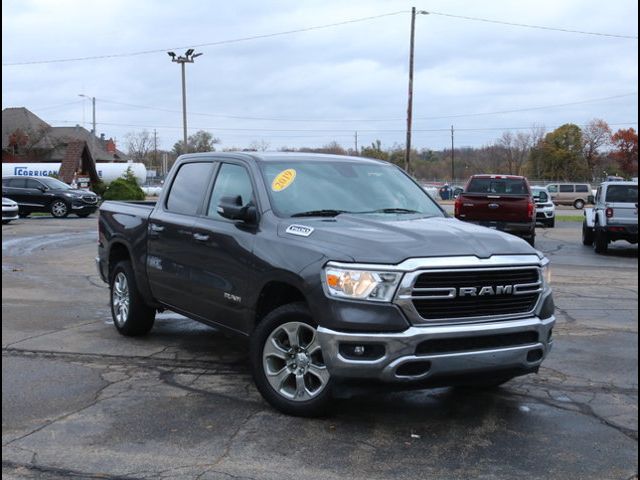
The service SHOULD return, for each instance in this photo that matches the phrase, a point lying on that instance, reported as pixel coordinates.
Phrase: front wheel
(131, 316)
(287, 363)
(59, 209)
(551, 223)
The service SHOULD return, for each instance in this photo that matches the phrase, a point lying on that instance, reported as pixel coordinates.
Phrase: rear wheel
(131, 316)
(587, 234)
(600, 242)
(287, 363)
(551, 222)
(578, 204)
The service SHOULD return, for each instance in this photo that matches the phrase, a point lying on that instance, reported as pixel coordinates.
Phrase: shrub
(99, 188)
(123, 189)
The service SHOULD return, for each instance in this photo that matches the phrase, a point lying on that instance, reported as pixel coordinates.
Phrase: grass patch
(570, 218)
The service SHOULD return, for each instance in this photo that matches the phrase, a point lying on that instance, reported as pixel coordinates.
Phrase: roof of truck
(285, 156)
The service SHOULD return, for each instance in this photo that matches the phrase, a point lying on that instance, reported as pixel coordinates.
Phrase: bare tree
(595, 135)
(139, 145)
(259, 146)
(515, 150)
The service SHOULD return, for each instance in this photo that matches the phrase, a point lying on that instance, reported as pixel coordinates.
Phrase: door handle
(200, 237)
(156, 228)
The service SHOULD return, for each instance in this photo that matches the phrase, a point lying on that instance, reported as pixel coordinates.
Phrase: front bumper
(402, 362)
(521, 229)
(9, 213)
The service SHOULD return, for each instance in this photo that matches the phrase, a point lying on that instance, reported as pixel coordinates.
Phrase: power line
(539, 27)
(310, 120)
(334, 131)
(209, 44)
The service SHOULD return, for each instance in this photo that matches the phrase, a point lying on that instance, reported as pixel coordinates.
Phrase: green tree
(375, 151)
(124, 188)
(201, 141)
(560, 154)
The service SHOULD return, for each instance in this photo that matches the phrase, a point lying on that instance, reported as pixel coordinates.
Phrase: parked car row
(47, 195)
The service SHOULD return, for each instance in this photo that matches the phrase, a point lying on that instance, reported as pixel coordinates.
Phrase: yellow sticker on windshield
(283, 180)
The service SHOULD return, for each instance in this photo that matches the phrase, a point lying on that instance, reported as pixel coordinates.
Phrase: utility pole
(357, 153)
(93, 107)
(452, 155)
(407, 155)
(188, 57)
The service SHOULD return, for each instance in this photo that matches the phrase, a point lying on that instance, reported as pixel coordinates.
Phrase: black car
(47, 194)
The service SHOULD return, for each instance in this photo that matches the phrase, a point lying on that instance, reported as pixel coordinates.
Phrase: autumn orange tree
(625, 150)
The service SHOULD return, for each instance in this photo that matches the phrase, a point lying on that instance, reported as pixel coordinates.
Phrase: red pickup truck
(502, 202)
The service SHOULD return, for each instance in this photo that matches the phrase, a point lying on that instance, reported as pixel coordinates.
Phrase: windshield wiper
(392, 210)
(319, 213)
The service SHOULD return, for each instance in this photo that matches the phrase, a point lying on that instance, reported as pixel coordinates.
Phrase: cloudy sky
(317, 85)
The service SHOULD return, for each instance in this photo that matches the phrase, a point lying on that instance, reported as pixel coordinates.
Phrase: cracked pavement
(80, 401)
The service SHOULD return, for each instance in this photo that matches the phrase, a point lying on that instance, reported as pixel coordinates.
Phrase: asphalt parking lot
(79, 400)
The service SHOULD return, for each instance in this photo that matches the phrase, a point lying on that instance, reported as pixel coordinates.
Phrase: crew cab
(502, 202)
(340, 270)
(614, 216)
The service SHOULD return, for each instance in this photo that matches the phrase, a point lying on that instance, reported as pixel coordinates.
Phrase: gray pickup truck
(340, 270)
(614, 216)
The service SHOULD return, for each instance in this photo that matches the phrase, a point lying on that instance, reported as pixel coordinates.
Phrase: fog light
(355, 351)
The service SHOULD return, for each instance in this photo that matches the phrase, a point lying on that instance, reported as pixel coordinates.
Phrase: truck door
(222, 277)
(170, 255)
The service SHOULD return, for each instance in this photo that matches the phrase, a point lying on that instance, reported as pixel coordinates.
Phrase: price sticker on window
(283, 180)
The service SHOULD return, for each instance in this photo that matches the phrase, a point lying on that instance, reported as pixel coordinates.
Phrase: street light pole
(93, 106)
(407, 155)
(188, 57)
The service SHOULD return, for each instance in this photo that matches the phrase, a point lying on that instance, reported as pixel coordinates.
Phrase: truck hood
(391, 239)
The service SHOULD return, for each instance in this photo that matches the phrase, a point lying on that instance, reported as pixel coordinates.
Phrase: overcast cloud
(325, 84)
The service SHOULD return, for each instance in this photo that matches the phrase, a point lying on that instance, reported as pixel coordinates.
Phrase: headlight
(546, 275)
(378, 286)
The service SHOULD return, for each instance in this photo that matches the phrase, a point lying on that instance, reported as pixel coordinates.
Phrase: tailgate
(623, 201)
(502, 208)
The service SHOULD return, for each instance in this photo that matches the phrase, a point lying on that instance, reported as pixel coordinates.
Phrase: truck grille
(459, 294)
(467, 344)
(90, 198)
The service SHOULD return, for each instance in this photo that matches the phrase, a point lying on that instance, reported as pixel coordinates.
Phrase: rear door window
(622, 193)
(498, 186)
(188, 188)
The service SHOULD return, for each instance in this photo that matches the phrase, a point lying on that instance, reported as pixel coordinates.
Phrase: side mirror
(231, 208)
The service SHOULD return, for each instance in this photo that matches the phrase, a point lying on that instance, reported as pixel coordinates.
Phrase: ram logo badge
(299, 230)
(483, 291)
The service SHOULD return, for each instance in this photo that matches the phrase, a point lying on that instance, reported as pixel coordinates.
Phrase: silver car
(9, 210)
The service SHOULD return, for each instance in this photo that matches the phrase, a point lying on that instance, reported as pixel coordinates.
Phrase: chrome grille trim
(406, 295)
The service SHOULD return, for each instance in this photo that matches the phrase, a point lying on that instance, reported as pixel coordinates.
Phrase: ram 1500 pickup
(502, 202)
(340, 270)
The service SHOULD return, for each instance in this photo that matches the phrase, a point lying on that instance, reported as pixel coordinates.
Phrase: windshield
(54, 183)
(622, 193)
(539, 194)
(328, 188)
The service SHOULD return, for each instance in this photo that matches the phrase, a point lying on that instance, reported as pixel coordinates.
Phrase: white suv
(545, 209)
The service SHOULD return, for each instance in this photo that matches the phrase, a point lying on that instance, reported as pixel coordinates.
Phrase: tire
(287, 363)
(587, 234)
(59, 208)
(531, 240)
(24, 215)
(578, 204)
(5, 222)
(600, 242)
(551, 223)
(131, 316)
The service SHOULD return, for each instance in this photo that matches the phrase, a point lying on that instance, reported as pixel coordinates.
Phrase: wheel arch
(274, 294)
